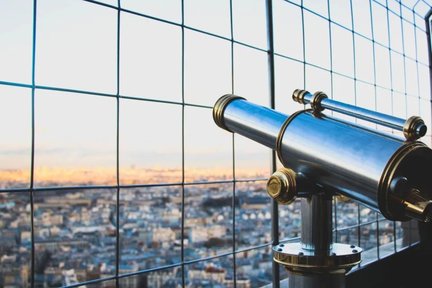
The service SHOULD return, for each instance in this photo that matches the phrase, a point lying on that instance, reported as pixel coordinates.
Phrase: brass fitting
(219, 108)
(414, 128)
(298, 96)
(316, 101)
(282, 186)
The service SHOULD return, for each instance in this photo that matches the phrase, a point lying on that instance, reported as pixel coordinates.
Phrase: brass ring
(292, 256)
(316, 101)
(219, 108)
(282, 132)
(298, 95)
(410, 128)
(388, 175)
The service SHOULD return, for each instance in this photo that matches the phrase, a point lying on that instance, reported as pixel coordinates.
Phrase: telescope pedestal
(336, 280)
(316, 261)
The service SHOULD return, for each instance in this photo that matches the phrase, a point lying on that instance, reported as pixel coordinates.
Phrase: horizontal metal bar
(362, 35)
(96, 187)
(89, 282)
(155, 269)
(350, 76)
(179, 264)
(112, 95)
(365, 114)
(361, 224)
(413, 128)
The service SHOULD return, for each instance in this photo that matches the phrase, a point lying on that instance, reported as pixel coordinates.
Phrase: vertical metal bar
(373, 54)
(390, 57)
(271, 71)
(416, 58)
(234, 187)
(118, 148)
(375, 88)
(428, 35)
(392, 93)
(32, 164)
(330, 50)
(358, 226)
(304, 44)
(392, 90)
(404, 58)
(409, 233)
(377, 236)
(354, 55)
(394, 237)
(182, 249)
(355, 101)
(335, 227)
(334, 201)
(316, 229)
(406, 106)
(233, 209)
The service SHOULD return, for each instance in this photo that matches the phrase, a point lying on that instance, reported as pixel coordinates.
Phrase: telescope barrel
(413, 128)
(381, 171)
(255, 122)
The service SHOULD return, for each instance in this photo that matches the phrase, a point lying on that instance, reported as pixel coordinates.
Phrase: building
(112, 169)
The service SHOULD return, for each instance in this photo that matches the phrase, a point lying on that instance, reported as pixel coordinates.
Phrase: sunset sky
(78, 131)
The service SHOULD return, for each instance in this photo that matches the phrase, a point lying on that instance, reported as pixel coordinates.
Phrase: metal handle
(413, 128)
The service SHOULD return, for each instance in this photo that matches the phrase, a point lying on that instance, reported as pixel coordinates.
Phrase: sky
(76, 48)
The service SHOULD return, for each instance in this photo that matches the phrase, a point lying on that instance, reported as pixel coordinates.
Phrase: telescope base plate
(339, 257)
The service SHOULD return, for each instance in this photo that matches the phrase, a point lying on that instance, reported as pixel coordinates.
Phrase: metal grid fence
(294, 44)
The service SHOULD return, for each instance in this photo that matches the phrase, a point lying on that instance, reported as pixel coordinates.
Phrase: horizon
(46, 176)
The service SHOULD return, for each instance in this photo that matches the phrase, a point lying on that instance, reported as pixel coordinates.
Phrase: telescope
(323, 156)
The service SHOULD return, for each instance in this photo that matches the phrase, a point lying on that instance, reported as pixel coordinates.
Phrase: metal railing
(33, 195)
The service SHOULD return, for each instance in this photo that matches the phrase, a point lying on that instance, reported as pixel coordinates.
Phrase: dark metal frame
(271, 53)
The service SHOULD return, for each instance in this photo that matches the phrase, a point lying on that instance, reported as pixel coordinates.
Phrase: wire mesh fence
(112, 171)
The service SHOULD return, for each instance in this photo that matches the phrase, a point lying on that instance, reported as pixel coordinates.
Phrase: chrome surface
(316, 261)
(323, 156)
(340, 157)
(294, 257)
(219, 109)
(413, 128)
(365, 114)
(314, 280)
(316, 211)
(256, 122)
(343, 158)
(316, 250)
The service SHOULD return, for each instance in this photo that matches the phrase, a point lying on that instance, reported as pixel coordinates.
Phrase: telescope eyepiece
(414, 128)
(421, 130)
(415, 204)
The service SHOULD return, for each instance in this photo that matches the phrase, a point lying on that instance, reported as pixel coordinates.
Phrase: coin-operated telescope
(324, 156)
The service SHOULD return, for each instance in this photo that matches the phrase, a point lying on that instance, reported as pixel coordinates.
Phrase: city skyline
(58, 176)
(111, 164)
